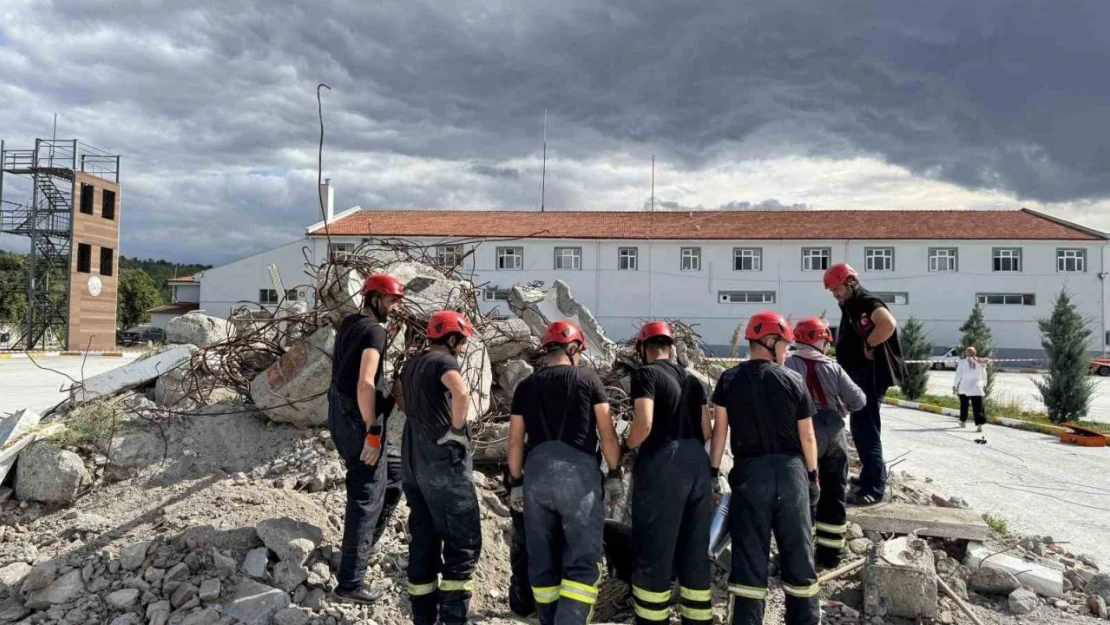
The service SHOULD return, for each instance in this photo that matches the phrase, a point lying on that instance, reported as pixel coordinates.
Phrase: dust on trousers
(372, 491)
(671, 518)
(564, 516)
(832, 466)
(770, 494)
(445, 526)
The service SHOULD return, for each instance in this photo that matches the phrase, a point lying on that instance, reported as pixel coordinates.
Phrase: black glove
(814, 493)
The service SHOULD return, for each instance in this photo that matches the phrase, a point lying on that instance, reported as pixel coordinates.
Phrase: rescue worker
(564, 412)
(867, 347)
(357, 410)
(770, 415)
(436, 474)
(834, 394)
(670, 427)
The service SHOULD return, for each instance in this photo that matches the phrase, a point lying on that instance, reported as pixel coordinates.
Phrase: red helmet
(383, 284)
(838, 274)
(812, 329)
(767, 323)
(653, 329)
(563, 333)
(447, 322)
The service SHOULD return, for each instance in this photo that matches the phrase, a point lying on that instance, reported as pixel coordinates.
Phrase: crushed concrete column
(539, 308)
(294, 389)
(900, 580)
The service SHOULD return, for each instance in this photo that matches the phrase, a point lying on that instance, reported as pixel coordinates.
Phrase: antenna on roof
(543, 171)
(653, 183)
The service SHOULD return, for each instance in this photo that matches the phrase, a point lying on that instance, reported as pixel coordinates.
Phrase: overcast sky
(847, 104)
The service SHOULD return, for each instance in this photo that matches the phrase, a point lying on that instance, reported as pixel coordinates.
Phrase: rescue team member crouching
(563, 410)
(670, 427)
(436, 474)
(867, 347)
(769, 412)
(357, 409)
(835, 395)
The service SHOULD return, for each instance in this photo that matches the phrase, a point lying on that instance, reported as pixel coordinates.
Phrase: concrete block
(256, 604)
(16, 432)
(1045, 581)
(135, 373)
(900, 580)
(197, 328)
(49, 475)
(506, 339)
(901, 518)
(512, 373)
(539, 308)
(294, 389)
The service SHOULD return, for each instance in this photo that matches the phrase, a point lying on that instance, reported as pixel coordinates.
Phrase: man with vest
(670, 427)
(564, 413)
(835, 395)
(357, 409)
(867, 347)
(770, 415)
(436, 474)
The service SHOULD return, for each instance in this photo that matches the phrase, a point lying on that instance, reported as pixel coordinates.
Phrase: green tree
(13, 292)
(137, 295)
(976, 334)
(915, 346)
(1067, 387)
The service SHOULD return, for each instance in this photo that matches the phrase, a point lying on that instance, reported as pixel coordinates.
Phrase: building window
(1006, 299)
(510, 258)
(746, 297)
(878, 259)
(492, 294)
(816, 258)
(747, 259)
(339, 250)
(1007, 259)
(1071, 260)
(627, 259)
(108, 204)
(87, 198)
(267, 296)
(292, 295)
(691, 259)
(107, 261)
(943, 259)
(84, 258)
(896, 298)
(569, 258)
(449, 256)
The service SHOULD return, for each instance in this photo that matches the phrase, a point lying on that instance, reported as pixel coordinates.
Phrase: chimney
(328, 193)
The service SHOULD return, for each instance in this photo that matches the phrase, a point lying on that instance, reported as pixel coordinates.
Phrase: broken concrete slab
(900, 579)
(197, 328)
(16, 432)
(339, 292)
(291, 540)
(428, 291)
(507, 339)
(475, 368)
(255, 603)
(511, 374)
(294, 389)
(902, 518)
(62, 590)
(182, 390)
(538, 308)
(138, 372)
(992, 581)
(49, 475)
(1045, 581)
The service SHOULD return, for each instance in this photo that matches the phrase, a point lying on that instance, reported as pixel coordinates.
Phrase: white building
(185, 298)
(715, 268)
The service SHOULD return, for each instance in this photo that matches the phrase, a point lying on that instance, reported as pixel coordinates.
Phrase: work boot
(363, 595)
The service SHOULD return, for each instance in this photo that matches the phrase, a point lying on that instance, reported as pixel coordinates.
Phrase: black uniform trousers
(671, 517)
(770, 494)
(445, 527)
(976, 402)
(832, 467)
(365, 518)
(565, 516)
(867, 434)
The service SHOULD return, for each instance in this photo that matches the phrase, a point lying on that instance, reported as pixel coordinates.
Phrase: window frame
(755, 256)
(510, 251)
(695, 257)
(826, 255)
(454, 250)
(264, 297)
(491, 294)
(996, 259)
(893, 300)
(954, 258)
(576, 258)
(88, 199)
(108, 208)
(983, 299)
(881, 252)
(1080, 259)
(748, 299)
(634, 257)
(84, 258)
(110, 262)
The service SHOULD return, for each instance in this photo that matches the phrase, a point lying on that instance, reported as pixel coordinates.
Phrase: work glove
(715, 497)
(516, 495)
(372, 446)
(814, 493)
(614, 485)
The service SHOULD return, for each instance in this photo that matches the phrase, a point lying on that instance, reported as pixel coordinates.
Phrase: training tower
(70, 211)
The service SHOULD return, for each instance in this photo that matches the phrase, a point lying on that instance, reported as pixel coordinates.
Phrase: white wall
(186, 293)
(223, 289)
(159, 320)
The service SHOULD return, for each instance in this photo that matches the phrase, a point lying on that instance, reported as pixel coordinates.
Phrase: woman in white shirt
(971, 380)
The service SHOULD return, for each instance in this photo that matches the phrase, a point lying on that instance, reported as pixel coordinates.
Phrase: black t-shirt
(357, 333)
(560, 397)
(856, 324)
(427, 400)
(764, 403)
(678, 398)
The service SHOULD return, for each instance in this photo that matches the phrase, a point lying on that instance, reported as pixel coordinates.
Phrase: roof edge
(1067, 224)
(320, 224)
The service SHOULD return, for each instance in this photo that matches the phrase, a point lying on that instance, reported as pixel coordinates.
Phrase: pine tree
(915, 346)
(976, 334)
(1067, 387)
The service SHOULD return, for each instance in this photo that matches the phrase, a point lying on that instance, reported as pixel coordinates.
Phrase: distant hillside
(161, 270)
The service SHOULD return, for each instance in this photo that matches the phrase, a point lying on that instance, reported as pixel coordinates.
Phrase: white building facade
(716, 284)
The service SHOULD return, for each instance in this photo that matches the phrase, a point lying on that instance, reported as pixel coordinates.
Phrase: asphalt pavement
(1019, 387)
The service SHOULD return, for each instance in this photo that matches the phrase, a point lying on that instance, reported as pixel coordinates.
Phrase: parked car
(947, 360)
(140, 334)
(1100, 366)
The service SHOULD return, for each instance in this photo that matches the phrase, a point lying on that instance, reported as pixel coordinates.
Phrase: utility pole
(543, 171)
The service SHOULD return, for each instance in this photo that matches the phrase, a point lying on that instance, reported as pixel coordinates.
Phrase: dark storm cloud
(437, 104)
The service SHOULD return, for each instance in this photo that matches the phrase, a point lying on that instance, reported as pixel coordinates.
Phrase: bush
(915, 346)
(976, 334)
(1067, 387)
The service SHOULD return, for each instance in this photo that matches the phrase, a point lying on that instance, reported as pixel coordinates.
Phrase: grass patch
(90, 426)
(1005, 408)
(996, 523)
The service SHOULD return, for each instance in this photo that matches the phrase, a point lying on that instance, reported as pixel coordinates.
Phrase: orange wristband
(374, 440)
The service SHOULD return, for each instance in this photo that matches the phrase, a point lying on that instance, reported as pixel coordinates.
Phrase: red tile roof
(817, 224)
(182, 279)
(179, 308)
